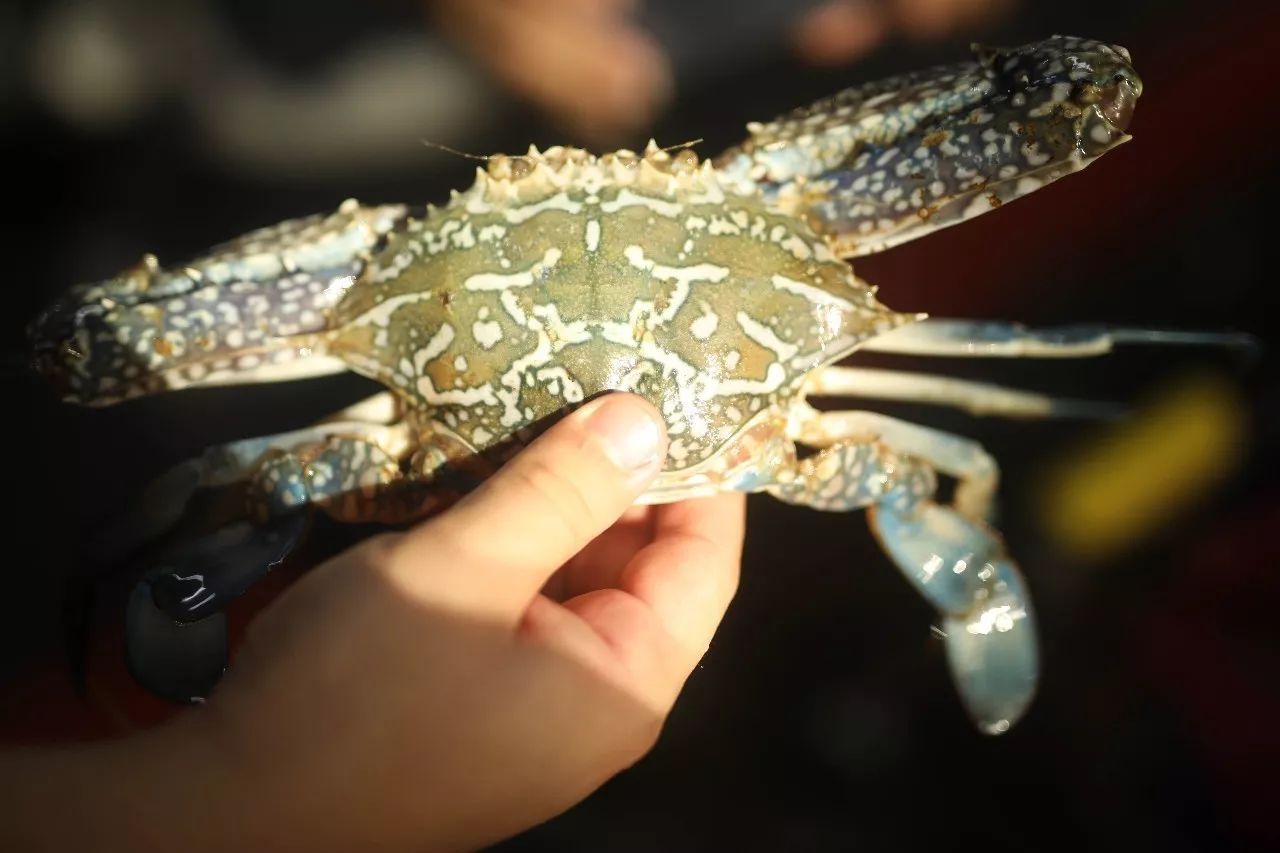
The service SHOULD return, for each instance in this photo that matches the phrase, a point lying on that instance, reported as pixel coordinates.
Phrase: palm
(658, 569)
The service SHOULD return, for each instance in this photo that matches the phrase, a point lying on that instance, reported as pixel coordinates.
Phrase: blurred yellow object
(1147, 469)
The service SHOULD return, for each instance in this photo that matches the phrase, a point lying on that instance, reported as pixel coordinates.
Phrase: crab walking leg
(350, 476)
(961, 567)
(953, 455)
(381, 408)
(957, 563)
(976, 398)
(166, 499)
(985, 339)
(350, 470)
(354, 471)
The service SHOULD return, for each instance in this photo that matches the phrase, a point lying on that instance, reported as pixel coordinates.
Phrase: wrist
(165, 789)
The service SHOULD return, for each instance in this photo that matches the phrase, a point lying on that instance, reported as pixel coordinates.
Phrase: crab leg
(977, 398)
(271, 466)
(355, 470)
(985, 339)
(351, 471)
(176, 636)
(337, 444)
(955, 561)
(349, 474)
(965, 460)
(381, 408)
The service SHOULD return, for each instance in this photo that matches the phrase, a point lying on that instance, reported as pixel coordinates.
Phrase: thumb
(497, 547)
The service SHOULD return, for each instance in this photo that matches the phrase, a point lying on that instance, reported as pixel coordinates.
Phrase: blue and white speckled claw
(247, 310)
(886, 162)
(960, 567)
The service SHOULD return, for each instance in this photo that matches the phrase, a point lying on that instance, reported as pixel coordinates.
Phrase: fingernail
(629, 432)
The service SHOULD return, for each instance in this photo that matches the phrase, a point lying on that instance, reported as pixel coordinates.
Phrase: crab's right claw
(889, 161)
(962, 569)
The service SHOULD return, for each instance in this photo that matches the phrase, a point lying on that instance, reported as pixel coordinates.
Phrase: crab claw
(960, 566)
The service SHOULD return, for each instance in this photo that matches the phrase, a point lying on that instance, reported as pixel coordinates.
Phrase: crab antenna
(482, 157)
(679, 145)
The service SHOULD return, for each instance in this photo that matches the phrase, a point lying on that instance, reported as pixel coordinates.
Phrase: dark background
(823, 717)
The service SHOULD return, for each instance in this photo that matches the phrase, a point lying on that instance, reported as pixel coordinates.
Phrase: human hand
(591, 65)
(835, 32)
(587, 62)
(444, 687)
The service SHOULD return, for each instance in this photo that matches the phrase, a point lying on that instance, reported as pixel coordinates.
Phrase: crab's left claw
(962, 569)
(886, 162)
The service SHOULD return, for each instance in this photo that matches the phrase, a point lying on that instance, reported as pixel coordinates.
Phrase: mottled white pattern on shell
(663, 230)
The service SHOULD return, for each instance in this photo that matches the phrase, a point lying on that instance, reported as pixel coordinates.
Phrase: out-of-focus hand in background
(586, 62)
(840, 31)
(358, 94)
(595, 67)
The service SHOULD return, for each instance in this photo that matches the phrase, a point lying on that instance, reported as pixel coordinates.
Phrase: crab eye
(509, 168)
(1131, 79)
(687, 159)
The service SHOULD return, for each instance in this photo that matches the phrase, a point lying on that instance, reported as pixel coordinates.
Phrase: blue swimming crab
(720, 290)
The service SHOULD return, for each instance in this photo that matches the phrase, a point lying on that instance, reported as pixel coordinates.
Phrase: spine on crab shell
(257, 304)
(536, 175)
